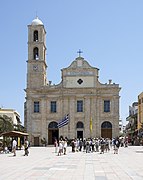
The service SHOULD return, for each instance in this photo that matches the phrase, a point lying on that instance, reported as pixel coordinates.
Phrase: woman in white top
(65, 146)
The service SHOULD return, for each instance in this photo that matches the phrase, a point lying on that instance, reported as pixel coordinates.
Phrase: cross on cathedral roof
(79, 52)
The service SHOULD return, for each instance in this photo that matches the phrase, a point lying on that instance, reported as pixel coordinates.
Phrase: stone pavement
(44, 164)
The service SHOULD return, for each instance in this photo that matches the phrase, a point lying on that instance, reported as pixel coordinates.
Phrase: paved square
(44, 164)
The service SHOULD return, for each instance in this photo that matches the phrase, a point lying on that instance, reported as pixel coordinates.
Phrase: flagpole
(69, 122)
(90, 125)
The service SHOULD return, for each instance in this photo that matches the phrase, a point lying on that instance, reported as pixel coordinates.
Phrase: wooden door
(106, 133)
(36, 141)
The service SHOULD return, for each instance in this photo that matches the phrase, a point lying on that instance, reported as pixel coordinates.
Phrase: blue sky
(109, 32)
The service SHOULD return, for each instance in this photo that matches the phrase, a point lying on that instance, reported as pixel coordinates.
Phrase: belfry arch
(36, 53)
(35, 36)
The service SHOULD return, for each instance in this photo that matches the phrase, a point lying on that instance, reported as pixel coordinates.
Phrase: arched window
(36, 53)
(79, 125)
(106, 125)
(53, 125)
(35, 35)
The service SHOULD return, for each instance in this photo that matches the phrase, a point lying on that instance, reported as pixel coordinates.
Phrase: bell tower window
(35, 35)
(36, 53)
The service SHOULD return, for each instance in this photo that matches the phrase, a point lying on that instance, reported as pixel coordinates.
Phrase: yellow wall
(140, 110)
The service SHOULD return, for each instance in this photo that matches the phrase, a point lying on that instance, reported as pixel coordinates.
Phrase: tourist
(116, 145)
(56, 145)
(14, 144)
(80, 144)
(87, 145)
(73, 145)
(107, 145)
(97, 142)
(84, 145)
(65, 146)
(26, 145)
(60, 148)
(102, 145)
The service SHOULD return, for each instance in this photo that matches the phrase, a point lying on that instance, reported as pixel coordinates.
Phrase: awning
(14, 134)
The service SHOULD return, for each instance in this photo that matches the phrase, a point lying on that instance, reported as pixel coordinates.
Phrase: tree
(6, 124)
(19, 127)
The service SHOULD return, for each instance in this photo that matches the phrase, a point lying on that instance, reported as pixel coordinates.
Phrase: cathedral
(92, 107)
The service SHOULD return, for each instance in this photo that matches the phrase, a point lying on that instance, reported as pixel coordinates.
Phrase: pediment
(79, 63)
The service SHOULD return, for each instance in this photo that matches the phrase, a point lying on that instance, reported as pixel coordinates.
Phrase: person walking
(102, 145)
(97, 142)
(56, 145)
(84, 145)
(80, 144)
(14, 144)
(73, 145)
(60, 148)
(116, 145)
(65, 146)
(26, 145)
(88, 146)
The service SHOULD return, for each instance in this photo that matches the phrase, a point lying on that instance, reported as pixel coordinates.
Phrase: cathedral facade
(92, 107)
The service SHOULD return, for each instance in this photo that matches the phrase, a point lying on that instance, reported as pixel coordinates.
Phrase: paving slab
(44, 164)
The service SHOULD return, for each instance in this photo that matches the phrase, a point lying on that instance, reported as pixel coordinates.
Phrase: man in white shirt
(14, 144)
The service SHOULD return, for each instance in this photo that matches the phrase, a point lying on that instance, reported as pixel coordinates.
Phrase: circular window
(80, 81)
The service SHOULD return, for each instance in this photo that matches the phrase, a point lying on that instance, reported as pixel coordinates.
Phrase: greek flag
(64, 121)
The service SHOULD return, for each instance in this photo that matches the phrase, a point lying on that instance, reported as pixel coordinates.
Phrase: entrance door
(36, 141)
(52, 135)
(80, 134)
(106, 130)
(106, 133)
(53, 132)
(79, 127)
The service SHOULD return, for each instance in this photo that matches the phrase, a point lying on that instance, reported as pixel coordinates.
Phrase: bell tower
(36, 64)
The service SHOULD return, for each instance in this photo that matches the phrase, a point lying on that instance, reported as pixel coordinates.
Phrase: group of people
(61, 146)
(91, 145)
(100, 145)
(26, 146)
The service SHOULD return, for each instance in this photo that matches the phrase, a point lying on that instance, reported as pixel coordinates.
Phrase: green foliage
(6, 124)
(19, 127)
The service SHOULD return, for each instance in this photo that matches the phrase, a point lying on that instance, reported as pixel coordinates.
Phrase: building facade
(140, 114)
(11, 113)
(132, 122)
(79, 94)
